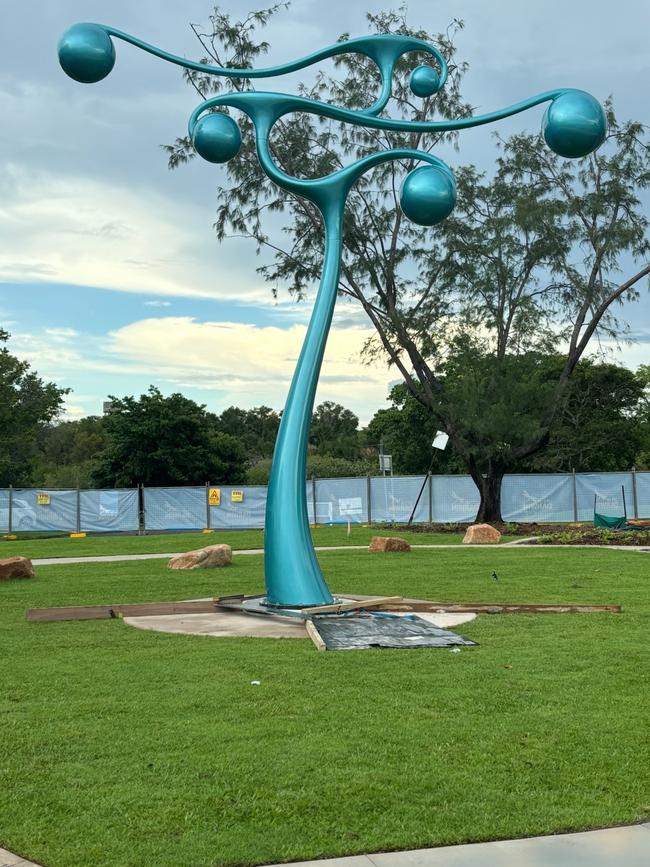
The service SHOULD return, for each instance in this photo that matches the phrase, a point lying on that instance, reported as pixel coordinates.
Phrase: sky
(111, 278)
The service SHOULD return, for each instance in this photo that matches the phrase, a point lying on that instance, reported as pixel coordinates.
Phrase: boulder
(203, 558)
(386, 544)
(481, 534)
(16, 567)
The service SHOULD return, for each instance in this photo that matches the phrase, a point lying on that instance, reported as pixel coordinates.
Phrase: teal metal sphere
(428, 195)
(216, 137)
(574, 124)
(424, 81)
(86, 53)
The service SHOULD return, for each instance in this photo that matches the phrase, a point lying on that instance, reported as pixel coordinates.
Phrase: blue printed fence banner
(544, 498)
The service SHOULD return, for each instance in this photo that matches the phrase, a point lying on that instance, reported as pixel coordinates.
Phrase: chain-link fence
(546, 498)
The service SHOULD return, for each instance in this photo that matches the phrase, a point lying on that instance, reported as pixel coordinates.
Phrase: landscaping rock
(386, 544)
(203, 558)
(16, 567)
(481, 534)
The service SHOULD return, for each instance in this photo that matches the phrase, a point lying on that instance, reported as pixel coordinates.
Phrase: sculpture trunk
(292, 574)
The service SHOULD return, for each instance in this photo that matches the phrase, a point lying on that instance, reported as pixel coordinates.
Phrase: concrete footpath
(628, 846)
(118, 558)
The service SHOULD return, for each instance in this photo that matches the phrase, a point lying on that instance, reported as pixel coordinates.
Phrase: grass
(123, 747)
(62, 546)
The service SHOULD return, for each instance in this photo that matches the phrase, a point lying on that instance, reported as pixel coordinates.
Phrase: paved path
(614, 847)
(628, 846)
(118, 558)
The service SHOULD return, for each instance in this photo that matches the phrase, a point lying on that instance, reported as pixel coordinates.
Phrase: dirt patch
(593, 536)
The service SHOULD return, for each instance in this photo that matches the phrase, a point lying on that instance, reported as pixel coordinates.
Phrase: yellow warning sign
(214, 496)
(236, 496)
(43, 499)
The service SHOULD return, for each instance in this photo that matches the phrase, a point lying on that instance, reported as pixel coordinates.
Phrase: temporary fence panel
(607, 487)
(237, 508)
(454, 499)
(545, 498)
(643, 494)
(175, 508)
(318, 511)
(393, 497)
(44, 509)
(108, 511)
(4, 510)
(342, 500)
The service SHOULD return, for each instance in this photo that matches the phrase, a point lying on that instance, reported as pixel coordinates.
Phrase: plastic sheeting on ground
(372, 630)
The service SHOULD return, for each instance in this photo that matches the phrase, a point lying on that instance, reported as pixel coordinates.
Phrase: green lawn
(62, 546)
(124, 747)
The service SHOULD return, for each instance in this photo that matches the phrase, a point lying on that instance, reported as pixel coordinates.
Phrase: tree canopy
(157, 440)
(27, 404)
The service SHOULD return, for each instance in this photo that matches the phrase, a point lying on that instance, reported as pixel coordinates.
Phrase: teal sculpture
(574, 125)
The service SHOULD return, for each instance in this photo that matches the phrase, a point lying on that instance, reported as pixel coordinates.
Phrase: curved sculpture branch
(574, 125)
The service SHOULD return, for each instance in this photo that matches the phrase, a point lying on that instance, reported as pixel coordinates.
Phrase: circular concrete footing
(232, 624)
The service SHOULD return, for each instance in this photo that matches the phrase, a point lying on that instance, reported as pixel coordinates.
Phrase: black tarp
(365, 631)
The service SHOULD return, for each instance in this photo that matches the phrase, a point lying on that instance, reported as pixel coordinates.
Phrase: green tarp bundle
(607, 523)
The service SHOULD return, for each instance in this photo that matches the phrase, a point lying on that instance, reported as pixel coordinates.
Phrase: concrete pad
(222, 624)
(232, 624)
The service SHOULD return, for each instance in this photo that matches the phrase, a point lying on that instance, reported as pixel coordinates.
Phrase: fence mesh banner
(643, 494)
(608, 491)
(393, 497)
(108, 511)
(341, 500)
(237, 508)
(4, 510)
(545, 498)
(43, 509)
(542, 497)
(455, 499)
(175, 508)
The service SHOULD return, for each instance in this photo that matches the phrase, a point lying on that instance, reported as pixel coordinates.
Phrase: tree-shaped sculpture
(574, 125)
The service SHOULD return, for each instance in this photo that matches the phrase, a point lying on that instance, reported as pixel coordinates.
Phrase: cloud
(250, 364)
(69, 229)
(157, 303)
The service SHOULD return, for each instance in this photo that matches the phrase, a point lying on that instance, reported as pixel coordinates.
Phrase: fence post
(575, 496)
(207, 505)
(313, 497)
(634, 494)
(369, 497)
(78, 530)
(11, 508)
(142, 525)
(430, 497)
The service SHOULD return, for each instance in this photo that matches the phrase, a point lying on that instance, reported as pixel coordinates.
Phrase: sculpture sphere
(216, 137)
(428, 195)
(574, 124)
(424, 80)
(86, 53)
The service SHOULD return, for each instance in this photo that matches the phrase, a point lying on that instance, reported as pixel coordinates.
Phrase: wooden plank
(134, 609)
(499, 608)
(314, 634)
(373, 602)
(88, 612)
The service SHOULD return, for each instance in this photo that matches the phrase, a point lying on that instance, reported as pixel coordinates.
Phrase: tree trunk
(489, 486)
